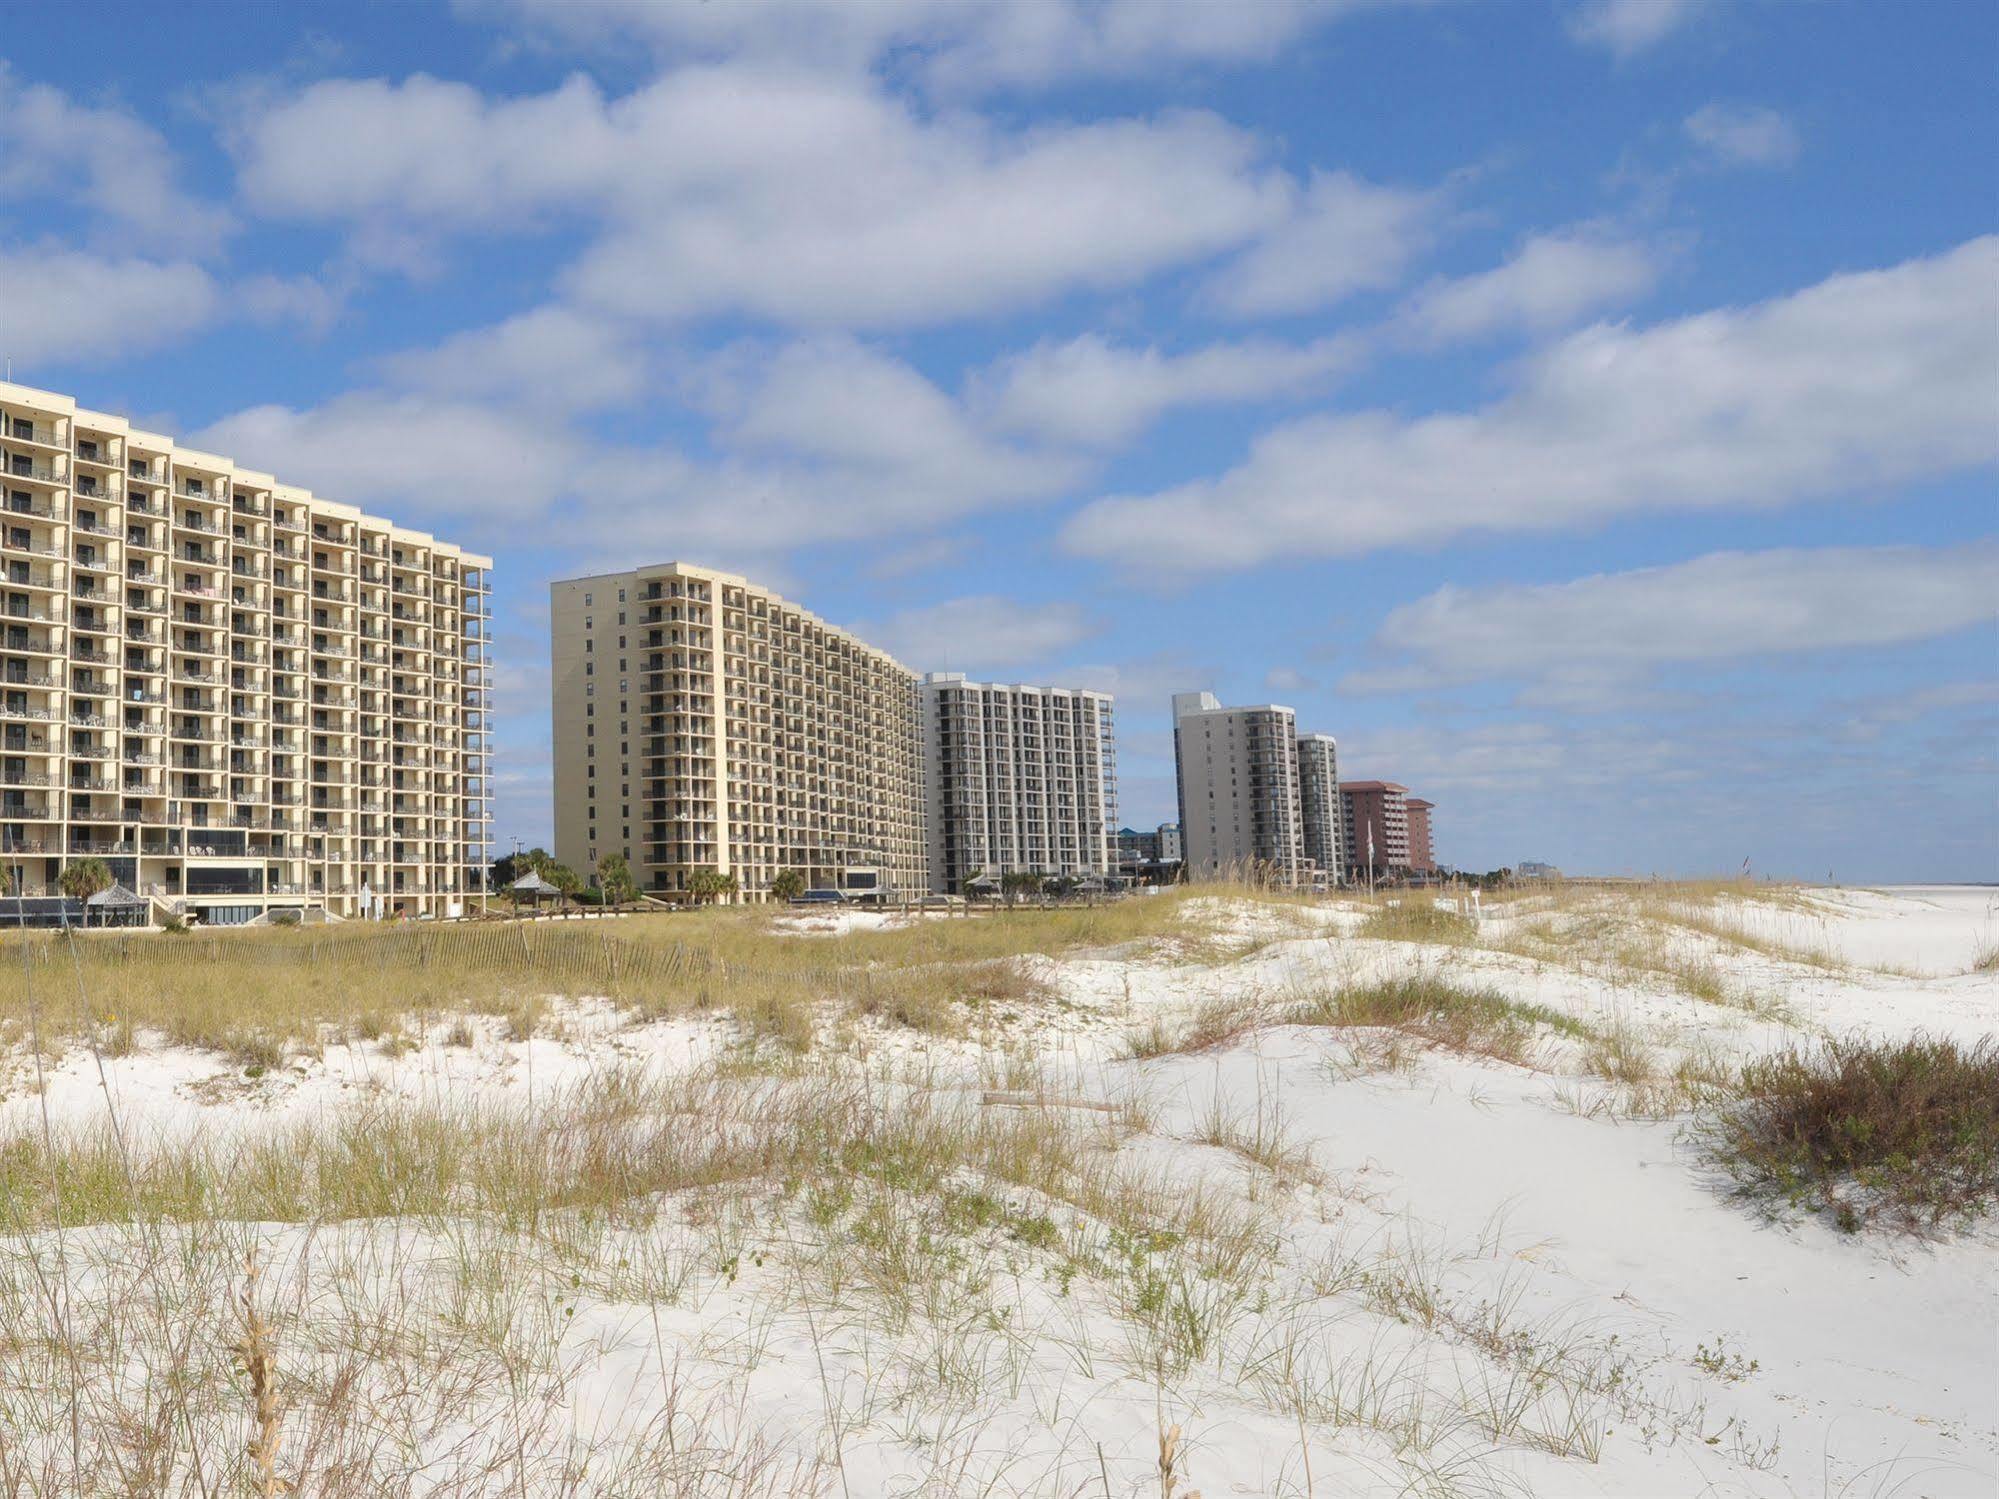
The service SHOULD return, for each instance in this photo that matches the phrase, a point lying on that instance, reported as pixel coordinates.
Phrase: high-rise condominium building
(1238, 773)
(1377, 818)
(703, 723)
(241, 696)
(1022, 780)
(1319, 805)
(1422, 858)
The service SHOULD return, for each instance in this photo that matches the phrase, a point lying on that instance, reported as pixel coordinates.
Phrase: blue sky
(1587, 411)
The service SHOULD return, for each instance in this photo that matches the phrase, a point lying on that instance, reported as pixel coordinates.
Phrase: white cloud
(552, 357)
(770, 191)
(1094, 393)
(1288, 679)
(1748, 135)
(980, 633)
(1864, 380)
(119, 168)
(953, 43)
(1602, 631)
(304, 301)
(70, 306)
(1628, 27)
(1347, 236)
(1551, 281)
(432, 460)
(816, 442)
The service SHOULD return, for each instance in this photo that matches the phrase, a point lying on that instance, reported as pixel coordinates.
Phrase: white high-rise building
(1020, 780)
(1238, 773)
(1319, 805)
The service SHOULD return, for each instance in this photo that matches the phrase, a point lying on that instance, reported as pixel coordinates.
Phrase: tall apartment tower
(243, 697)
(703, 723)
(1238, 773)
(1021, 780)
(1422, 857)
(1377, 816)
(1319, 805)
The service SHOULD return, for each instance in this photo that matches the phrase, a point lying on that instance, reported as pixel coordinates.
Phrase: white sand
(1876, 1359)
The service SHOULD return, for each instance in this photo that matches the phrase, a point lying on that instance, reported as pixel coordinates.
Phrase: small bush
(1905, 1132)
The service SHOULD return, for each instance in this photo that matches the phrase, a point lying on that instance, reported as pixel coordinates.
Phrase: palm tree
(83, 878)
(614, 878)
(788, 884)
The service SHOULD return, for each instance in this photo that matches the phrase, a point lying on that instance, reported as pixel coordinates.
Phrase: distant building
(1534, 869)
(1135, 848)
(1238, 777)
(1422, 860)
(1022, 780)
(1321, 820)
(1170, 850)
(1377, 826)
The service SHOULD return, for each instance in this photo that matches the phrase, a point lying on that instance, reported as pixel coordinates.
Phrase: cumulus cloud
(1602, 631)
(434, 460)
(1747, 135)
(1093, 393)
(1628, 27)
(1865, 379)
(71, 307)
(553, 357)
(105, 159)
(1551, 281)
(952, 43)
(814, 442)
(979, 633)
(1348, 235)
(772, 191)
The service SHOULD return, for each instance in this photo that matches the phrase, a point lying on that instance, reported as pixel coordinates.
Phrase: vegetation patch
(1902, 1133)
(1443, 1013)
(1419, 921)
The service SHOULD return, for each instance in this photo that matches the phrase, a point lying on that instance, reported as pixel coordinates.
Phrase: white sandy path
(1869, 1351)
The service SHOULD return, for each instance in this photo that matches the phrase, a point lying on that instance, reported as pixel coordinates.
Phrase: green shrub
(1903, 1132)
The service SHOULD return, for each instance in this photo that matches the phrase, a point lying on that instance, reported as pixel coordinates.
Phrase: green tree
(83, 878)
(788, 884)
(511, 867)
(1018, 882)
(614, 878)
(710, 884)
(565, 879)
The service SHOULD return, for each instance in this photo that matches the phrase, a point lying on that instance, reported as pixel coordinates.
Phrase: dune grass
(1902, 1133)
(1438, 1011)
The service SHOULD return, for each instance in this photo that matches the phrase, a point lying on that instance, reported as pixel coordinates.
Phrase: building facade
(1422, 856)
(1170, 849)
(1238, 780)
(243, 697)
(1323, 822)
(1021, 780)
(1377, 822)
(703, 723)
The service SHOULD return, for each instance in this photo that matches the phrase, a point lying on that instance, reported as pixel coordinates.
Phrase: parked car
(819, 898)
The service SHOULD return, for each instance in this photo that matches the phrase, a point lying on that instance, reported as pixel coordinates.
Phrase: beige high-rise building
(1238, 772)
(703, 723)
(241, 696)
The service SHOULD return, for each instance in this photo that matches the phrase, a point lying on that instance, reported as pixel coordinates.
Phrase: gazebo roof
(534, 884)
(117, 895)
